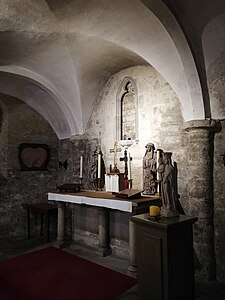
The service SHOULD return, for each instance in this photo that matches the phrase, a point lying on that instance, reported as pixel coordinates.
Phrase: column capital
(211, 125)
(78, 137)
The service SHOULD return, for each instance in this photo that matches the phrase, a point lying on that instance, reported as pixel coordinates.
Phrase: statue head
(167, 157)
(150, 146)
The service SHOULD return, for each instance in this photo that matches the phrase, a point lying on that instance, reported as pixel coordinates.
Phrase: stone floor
(10, 247)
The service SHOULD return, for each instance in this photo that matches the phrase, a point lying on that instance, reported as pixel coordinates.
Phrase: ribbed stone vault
(73, 47)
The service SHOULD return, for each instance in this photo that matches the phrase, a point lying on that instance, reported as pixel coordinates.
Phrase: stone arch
(184, 77)
(40, 95)
(214, 53)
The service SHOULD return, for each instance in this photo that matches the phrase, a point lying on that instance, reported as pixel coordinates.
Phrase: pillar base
(61, 244)
(132, 269)
(104, 251)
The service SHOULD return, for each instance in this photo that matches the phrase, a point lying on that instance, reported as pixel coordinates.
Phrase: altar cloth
(99, 199)
(93, 199)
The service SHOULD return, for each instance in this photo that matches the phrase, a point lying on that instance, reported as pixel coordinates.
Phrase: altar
(105, 201)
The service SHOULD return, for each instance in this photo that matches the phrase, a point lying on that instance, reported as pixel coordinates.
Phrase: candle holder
(158, 188)
(99, 185)
(130, 183)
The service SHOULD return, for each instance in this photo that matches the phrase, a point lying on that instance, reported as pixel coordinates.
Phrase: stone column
(103, 231)
(132, 247)
(61, 225)
(200, 185)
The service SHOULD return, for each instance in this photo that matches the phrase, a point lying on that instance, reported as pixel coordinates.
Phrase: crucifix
(115, 150)
(125, 159)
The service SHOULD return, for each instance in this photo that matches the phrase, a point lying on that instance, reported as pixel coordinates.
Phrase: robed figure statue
(97, 182)
(168, 184)
(149, 170)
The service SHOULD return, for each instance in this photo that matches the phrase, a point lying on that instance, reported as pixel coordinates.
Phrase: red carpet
(52, 274)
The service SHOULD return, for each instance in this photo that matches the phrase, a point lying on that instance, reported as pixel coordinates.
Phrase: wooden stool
(42, 209)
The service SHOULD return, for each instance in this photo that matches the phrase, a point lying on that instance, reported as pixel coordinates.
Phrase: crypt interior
(77, 75)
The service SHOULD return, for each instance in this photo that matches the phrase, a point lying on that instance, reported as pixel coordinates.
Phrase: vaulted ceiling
(56, 55)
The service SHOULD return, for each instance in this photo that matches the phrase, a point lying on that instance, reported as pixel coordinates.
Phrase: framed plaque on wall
(34, 157)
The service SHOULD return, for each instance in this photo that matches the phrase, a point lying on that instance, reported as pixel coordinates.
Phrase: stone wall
(4, 140)
(159, 120)
(216, 75)
(219, 203)
(21, 124)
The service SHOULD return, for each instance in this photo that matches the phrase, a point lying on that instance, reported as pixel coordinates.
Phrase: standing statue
(168, 180)
(94, 169)
(149, 170)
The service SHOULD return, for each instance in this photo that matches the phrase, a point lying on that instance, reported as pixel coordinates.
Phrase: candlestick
(129, 167)
(99, 166)
(81, 166)
(130, 184)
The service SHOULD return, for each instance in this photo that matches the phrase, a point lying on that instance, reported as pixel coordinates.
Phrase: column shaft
(132, 247)
(61, 224)
(103, 231)
(200, 183)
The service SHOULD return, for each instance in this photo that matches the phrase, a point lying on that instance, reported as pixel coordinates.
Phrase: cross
(115, 150)
(125, 159)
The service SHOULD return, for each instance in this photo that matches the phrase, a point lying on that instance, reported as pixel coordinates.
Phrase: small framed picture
(34, 157)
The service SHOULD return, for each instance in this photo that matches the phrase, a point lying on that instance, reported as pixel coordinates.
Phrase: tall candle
(157, 163)
(129, 167)
(99, 165)
(81, 166)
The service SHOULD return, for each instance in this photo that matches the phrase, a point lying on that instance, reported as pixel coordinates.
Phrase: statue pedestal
(165, 264)
(169, 213)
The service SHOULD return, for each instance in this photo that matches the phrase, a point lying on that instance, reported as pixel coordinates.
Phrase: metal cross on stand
(125, 159)
(115, 150)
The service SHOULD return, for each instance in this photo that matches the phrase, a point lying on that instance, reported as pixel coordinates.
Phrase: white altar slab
(118, 204)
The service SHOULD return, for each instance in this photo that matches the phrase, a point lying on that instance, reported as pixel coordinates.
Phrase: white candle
(157, 163)
(99, 165)
(129, 167)
(81, 166)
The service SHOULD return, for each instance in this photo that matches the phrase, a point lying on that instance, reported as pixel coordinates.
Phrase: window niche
(127, 118)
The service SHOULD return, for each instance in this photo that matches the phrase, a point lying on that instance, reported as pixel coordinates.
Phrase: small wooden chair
(44, 209)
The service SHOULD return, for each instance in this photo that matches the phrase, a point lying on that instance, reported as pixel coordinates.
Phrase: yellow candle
(154, 211)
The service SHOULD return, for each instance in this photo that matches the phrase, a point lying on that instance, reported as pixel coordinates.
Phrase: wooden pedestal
(165, 265)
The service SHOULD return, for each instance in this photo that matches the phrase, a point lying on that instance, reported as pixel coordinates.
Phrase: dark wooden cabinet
(165, 264)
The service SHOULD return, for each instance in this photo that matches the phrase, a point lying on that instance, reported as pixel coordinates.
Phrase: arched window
(127, 111)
